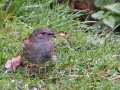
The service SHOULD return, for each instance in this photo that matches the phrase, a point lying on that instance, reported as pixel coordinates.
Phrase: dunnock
(38, 48)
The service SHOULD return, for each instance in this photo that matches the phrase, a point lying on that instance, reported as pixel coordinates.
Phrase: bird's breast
(40, 52)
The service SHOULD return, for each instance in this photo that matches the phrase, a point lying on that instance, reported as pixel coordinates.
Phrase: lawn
(84, 60)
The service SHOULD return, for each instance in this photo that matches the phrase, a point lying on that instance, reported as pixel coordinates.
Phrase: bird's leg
(30, 69)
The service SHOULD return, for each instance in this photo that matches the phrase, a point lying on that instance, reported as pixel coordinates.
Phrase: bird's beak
(54, 36)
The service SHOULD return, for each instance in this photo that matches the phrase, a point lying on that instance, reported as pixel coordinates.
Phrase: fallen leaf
(63, 34)
(13, 63)
(116, 77)
(80, 5)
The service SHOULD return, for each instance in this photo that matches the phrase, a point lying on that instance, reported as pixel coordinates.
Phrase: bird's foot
(31, 69)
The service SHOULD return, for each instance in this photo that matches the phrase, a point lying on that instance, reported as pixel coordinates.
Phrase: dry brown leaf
(80, 5)
(13, 63)
(116, 77)
(63, 34)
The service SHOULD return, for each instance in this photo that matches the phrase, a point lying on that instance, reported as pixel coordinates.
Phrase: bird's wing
(27, 44)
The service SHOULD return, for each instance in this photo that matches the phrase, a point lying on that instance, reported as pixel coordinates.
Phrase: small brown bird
(38, 48)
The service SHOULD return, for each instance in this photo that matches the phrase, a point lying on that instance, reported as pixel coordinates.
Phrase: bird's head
(43, 33)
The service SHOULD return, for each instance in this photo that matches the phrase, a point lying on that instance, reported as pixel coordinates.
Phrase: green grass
(85, 61)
